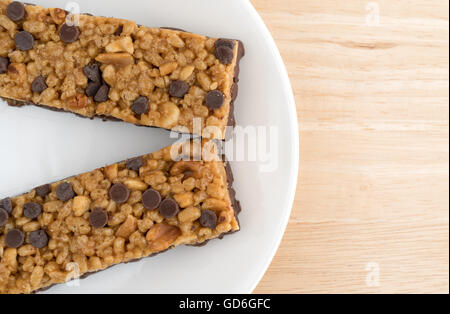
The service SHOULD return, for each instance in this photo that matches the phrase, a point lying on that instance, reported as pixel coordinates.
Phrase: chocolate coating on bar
(174, 29)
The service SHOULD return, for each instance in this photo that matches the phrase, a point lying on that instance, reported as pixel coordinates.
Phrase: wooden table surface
(371, 214)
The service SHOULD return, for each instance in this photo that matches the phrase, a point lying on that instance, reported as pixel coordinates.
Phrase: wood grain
(372, 103)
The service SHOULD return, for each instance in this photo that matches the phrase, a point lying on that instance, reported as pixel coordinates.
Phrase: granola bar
(116, 214)
(115, 69)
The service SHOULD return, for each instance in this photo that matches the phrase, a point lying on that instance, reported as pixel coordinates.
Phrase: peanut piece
(10, 256)
(79, 101)
(120, 59)
(124, 44)
(214, 204)
(81, 205)
(184, 199)
(127, 228)
(119, 245)
(53, 206)
(170, 115)
(204, 80)
(161, 236)
(109, 74)
(58, 15)
(26, 250)
(175, 41)
(129, 28)
(36, 276)
(167, 68)
(186, 72)
(31, 226)
(7, 24)
(136, 184)
(189, 215)
(95, 263)
(111, 172)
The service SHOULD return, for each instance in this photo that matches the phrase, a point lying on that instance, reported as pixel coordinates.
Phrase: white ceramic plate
(39, 146)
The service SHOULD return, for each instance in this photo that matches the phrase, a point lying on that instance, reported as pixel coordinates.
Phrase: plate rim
(294, 126)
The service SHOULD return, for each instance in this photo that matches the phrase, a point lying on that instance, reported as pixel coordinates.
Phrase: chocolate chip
(225, 43)
(4, 62)
(3, 217)
(98, 218)
(178, 89)
(140, 105)
(64, 191)
(215, 99)
(15, 11)
(43, 190)
(135, 164)
(14, 238)
(92, 88)
(24, 41)
(39, 239)
(68, 34)
(6, 204)
(151, 199)
(208, 219)
(119, 193)
(32, 210)
(102, 93)
(92, 72)
(39, 85)
(224, 54)
(229, 171)
(169, 208)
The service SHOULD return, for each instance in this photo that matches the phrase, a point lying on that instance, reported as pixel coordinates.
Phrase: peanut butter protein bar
(115, 69)
(116, 214)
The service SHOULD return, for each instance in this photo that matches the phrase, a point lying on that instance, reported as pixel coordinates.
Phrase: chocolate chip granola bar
(116, 214)
(114, 68)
